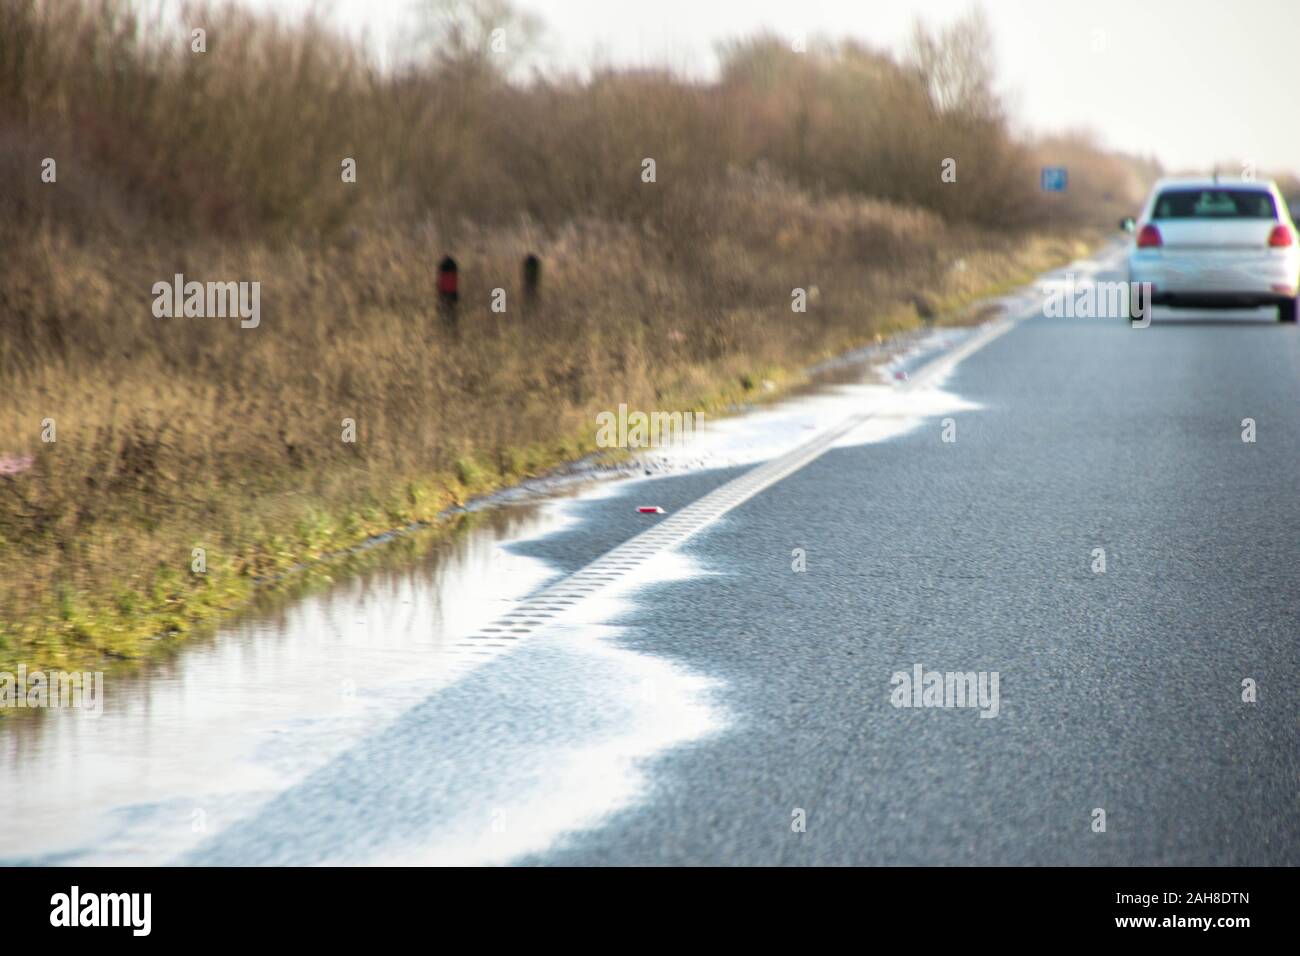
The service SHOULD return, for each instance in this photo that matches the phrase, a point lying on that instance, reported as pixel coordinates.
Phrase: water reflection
(189, 744)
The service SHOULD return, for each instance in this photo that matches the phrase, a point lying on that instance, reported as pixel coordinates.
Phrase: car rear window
(1215, 204)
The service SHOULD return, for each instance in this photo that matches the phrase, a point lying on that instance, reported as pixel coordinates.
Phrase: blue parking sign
(1055, 179)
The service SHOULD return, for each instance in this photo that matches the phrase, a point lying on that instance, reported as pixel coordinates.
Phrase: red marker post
(448, 290)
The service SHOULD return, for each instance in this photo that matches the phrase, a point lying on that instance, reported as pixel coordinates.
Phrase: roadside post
(532, 279)
(448, 290)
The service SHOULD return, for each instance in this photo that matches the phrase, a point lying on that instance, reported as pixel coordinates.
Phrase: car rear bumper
(1200, 280)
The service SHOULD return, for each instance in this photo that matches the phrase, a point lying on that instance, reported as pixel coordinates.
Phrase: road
(768, 732)
(1119, 690)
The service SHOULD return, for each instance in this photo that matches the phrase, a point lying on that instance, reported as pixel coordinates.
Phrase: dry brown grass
(181, 433)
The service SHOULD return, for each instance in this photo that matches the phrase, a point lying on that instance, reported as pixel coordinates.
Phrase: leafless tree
(482, 37)
(956, 65)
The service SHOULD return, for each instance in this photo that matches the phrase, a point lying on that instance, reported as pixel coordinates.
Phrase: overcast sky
(1189, 81)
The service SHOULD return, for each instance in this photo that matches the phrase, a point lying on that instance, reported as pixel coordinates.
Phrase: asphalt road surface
(1118, 691)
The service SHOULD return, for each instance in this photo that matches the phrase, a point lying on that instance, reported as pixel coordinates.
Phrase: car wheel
(1286, 310)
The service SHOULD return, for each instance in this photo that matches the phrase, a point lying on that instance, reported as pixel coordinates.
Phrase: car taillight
(1149, 237)
(1281, 237)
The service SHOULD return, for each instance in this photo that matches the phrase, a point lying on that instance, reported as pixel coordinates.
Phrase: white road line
(542, 609)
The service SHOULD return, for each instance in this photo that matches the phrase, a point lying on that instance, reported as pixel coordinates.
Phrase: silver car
(1206, 243)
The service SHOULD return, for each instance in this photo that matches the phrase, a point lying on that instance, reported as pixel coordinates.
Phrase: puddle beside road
(189, 743)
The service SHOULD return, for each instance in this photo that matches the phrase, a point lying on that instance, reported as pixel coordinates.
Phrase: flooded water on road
(190, 743)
